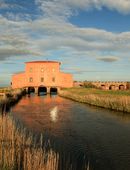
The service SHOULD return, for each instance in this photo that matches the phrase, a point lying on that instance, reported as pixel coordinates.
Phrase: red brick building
(42, 74)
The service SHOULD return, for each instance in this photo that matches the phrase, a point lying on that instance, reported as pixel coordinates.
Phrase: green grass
(83, 91)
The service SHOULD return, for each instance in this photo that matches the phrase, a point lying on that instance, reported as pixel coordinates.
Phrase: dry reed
(110, 101)
(17, 151)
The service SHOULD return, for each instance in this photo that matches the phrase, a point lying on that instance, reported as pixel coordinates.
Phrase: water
(80, 134)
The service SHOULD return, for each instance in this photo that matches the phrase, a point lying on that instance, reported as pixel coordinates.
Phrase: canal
(84, 137)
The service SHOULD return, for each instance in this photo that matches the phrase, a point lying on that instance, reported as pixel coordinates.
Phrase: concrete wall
(42, 73)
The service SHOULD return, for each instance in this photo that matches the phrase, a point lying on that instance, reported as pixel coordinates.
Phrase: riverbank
(114, 100)
(8, 98)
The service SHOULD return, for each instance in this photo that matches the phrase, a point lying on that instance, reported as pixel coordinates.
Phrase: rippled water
(80, 134)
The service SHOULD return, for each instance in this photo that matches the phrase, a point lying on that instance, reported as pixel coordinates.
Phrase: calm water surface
(79, 133)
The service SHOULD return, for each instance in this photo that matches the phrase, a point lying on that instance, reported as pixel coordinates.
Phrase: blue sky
(91, 38)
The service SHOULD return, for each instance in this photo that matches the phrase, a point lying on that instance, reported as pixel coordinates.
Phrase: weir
(30, 90)
(42, 90)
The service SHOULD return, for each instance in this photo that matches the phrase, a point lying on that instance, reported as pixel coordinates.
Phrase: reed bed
(19, 151)
(7, 99)
(115, 100)
(5, 89)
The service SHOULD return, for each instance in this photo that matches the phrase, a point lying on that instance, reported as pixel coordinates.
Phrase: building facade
(42, 74)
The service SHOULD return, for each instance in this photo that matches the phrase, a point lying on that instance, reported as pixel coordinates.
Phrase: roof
(20, 72)
(43, 62)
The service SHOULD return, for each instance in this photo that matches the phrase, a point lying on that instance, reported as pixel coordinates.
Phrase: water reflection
(54, 114)
(77, 132)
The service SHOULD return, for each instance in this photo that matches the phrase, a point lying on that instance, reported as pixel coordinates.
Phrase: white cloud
(14, 41)
(48, 33)
(63, 9)
(51, 33)
(62, 34)
(54, 8)
(45, 35)
(122, 6)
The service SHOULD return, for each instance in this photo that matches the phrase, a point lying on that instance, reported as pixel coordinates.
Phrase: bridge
(41, 89)
(104, 85)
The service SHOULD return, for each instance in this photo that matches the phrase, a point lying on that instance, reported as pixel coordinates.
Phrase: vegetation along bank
(115, 100)
(9, 97)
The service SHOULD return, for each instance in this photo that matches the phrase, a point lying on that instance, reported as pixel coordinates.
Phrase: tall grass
(9, 98)
(5, 89)
(119, 101)
(18, 151)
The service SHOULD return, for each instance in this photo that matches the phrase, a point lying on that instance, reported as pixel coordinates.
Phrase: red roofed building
(42, 74)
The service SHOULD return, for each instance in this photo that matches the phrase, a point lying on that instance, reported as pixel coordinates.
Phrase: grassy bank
(115, 100)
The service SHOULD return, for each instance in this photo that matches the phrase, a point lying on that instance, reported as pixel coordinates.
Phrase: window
(53, 79)
(31, 69)
(42, 79)
(30, 79)
(42, 69)
(53, 70)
